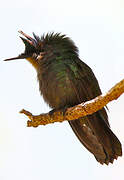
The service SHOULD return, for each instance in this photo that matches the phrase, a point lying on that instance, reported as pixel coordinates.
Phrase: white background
(53, 151)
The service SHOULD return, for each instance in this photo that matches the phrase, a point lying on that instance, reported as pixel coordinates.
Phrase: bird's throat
(33, 62)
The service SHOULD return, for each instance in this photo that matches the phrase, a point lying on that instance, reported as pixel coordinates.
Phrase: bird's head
(49, 45)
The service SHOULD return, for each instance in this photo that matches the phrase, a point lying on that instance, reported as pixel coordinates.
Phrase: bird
(65, 81)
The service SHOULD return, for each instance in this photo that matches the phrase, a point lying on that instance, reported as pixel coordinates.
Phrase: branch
(77, 111)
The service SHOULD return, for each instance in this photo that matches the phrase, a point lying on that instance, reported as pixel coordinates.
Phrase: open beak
(29, 43)
(21, 56)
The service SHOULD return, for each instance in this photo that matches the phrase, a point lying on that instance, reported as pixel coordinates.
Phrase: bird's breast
(56, 87)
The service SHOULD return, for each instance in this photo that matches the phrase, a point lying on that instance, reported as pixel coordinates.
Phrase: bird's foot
(62, 110)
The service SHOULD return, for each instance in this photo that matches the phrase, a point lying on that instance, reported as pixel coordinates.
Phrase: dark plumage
(65, 81)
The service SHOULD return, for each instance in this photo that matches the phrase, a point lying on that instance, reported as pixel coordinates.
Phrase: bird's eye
(34, 56)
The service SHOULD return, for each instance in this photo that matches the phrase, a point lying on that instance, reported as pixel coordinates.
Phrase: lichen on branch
(75, 112)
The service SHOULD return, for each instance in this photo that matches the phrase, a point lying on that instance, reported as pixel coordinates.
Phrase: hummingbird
(65, 81)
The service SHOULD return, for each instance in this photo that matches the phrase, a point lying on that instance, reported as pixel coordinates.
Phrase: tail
(95, 134)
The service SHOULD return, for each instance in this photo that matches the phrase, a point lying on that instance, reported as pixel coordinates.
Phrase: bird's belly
(59, 93)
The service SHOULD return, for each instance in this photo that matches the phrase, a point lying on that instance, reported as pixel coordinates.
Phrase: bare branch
(77, 111)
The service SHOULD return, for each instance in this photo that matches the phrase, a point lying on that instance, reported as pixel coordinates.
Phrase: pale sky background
(53, 151)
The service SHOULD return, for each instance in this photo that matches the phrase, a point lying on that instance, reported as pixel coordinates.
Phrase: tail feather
(96, 135)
